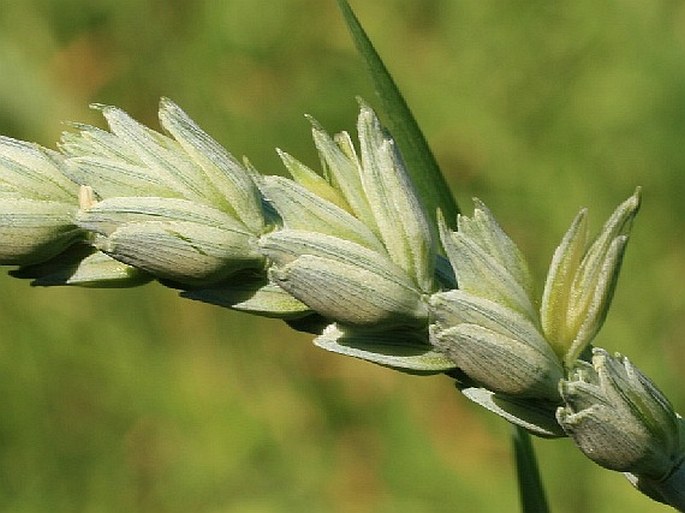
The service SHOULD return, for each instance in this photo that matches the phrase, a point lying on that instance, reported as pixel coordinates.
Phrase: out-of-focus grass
(139, 401)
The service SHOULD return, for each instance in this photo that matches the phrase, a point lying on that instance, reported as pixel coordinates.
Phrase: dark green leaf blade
(531, 490)
(423, 168)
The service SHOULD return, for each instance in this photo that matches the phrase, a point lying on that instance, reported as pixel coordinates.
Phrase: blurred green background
(139, 401)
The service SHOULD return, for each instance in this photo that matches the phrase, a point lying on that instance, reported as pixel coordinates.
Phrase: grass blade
(423, 168)
(531, 491)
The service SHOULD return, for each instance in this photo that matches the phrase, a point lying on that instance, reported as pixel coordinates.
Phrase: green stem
(531, 491)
